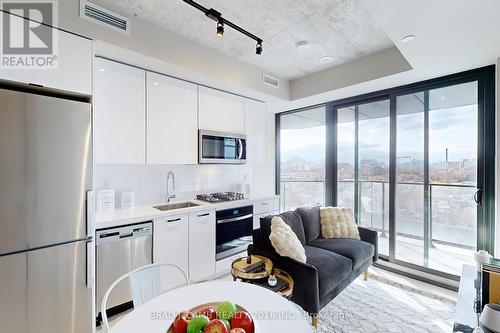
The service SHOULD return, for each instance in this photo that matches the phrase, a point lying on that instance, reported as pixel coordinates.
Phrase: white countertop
(123, 216)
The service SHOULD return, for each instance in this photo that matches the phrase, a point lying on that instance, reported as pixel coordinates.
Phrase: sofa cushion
(358, 251)
(291, 218)
(311, 221)
(337, 222)
(285, 241)
(332, 267)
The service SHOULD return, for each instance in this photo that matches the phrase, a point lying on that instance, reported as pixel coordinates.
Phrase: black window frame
(485, 78)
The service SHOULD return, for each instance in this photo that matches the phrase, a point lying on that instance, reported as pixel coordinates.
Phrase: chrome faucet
(170, 174)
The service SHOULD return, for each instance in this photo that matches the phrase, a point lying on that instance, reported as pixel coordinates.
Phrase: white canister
(127, 199)
(105, 200)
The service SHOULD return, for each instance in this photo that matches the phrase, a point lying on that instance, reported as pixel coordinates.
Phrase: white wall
(380, 64)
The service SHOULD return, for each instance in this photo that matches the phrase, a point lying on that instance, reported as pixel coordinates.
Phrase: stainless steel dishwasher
(120, 250)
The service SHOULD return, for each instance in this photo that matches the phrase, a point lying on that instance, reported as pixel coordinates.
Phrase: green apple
(226, 310)
(197, 324)
(228, 325)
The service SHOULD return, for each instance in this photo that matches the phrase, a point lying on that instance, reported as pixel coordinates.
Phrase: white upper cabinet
(220, 111)
(172, 120)
(74, 67)
(255, 129)
(120, 112)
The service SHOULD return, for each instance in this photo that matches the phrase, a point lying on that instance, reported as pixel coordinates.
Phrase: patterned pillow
(285, 241)
(338, 222)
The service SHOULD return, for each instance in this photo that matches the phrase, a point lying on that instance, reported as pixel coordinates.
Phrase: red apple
(237, 330)
(242, 319)
(209, 312)
(181, 321)
(215, 326)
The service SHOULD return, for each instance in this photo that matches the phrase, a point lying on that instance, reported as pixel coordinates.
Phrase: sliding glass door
(435, 154)
(436, 177)
(415, 163)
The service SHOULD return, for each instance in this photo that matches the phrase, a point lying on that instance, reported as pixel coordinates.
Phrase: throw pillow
(338, 222)
(285, 241)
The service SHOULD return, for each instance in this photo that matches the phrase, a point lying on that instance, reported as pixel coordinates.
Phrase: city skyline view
(452, 167)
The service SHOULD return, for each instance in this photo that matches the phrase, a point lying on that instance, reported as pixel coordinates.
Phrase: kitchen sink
(176, 206)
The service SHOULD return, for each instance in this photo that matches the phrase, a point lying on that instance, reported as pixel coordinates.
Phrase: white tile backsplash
(148, 182)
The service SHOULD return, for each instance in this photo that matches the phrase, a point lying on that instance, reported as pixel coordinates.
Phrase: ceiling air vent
(268, 80)
(103, 16)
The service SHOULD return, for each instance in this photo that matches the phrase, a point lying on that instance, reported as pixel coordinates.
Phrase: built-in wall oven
(221, 148)
(234, 231)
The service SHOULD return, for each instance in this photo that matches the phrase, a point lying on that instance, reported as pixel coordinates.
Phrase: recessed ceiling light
(326, 59)
(156, 83)
(302, 45)
(407, 39)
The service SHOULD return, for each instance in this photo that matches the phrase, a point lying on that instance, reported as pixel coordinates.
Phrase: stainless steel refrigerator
(45, 242)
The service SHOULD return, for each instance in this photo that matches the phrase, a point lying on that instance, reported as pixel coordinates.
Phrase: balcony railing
(451, 211)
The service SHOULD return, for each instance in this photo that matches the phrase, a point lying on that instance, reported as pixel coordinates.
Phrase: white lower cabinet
(256, 218)
(171, 236)
(201, 245)
(263, 208)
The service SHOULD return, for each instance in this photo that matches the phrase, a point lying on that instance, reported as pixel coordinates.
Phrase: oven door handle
(240, 218)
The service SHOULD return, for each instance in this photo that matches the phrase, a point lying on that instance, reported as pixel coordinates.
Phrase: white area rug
(379, 305)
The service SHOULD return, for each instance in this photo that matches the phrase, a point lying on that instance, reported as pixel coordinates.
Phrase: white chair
(145, 283)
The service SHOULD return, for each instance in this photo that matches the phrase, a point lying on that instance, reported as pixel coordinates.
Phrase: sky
(453, 128)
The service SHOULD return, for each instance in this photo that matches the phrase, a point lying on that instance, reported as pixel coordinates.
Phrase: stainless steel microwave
(222, 148)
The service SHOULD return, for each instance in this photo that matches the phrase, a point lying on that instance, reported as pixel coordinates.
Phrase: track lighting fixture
(220, 28)
(258, 49)
(221, 22)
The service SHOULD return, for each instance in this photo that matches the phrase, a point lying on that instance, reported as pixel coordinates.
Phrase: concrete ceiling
(342, 29)
(451, 36)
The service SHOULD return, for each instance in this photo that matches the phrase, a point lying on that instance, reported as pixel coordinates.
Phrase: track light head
(222, 22)
(258, 48)
(220, 28)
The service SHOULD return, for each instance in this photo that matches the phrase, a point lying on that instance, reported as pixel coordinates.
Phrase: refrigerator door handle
(90, 264)
(90, 211)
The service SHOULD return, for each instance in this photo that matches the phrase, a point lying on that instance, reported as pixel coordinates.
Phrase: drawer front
(265, 206)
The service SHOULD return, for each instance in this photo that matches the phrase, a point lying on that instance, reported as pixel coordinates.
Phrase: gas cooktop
(221, 196)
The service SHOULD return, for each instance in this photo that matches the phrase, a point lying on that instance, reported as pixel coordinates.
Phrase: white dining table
(271, 312)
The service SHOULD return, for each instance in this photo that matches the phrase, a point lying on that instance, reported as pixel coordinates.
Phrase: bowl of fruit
(214, 317)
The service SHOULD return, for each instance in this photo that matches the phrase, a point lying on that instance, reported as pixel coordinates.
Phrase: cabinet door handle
(202, 215)
(174, 220)
(264, 203)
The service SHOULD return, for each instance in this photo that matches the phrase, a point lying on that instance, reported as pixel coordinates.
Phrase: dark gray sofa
(332, 264)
